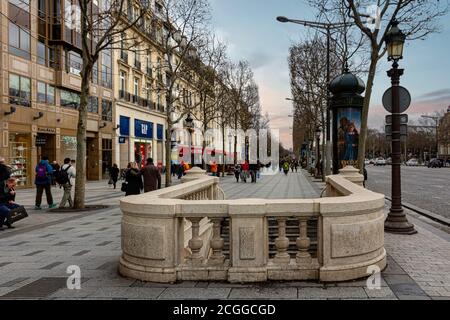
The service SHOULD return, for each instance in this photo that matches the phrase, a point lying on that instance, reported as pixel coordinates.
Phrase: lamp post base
(397, 223)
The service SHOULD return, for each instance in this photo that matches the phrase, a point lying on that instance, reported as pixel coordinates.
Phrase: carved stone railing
(157, 248)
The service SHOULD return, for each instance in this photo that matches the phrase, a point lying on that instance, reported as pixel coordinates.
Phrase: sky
(250, 29)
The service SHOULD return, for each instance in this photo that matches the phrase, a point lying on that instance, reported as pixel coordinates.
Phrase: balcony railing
(206, 238)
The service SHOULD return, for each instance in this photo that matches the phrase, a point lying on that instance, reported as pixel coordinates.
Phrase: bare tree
(417, 19)
(100, 29)
(181, 27)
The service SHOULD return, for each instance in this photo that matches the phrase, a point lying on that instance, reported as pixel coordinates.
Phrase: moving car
(380, 162)
(412, 162)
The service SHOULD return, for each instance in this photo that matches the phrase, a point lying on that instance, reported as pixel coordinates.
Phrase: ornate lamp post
(318, 165)
(190, 126)
(396, 221)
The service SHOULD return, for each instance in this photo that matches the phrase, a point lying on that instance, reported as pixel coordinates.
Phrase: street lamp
(396, 221)
(190, 126)
(318, 165)
(327, 27)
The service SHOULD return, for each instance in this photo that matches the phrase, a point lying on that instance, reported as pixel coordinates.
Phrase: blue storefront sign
(122, 140)
(160, 132)
(124, 126)
(143, 129)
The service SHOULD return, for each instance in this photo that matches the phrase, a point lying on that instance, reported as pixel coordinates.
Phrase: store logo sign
(144, 129)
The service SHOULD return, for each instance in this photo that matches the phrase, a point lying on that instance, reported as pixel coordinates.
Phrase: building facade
(40, 66)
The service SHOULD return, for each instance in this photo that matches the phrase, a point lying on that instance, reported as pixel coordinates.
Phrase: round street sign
(405, 99)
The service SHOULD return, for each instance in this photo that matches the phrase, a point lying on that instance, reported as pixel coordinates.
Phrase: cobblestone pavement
(426, 188)
(33, 263)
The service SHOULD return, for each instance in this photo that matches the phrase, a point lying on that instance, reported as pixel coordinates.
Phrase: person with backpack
(43, 181)
(63, 177)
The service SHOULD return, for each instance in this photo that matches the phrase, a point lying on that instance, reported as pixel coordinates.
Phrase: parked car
(389, 161)
(372, 161)
(366, 162)
(380, 162)
(435, 163)
(412, 162)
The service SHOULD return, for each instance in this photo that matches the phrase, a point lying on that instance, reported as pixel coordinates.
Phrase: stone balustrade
(157, 248)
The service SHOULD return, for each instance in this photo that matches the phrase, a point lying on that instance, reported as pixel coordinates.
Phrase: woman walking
(133, 180)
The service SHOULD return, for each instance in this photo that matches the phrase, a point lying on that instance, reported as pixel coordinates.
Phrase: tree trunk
(365, 111)
(80, 179)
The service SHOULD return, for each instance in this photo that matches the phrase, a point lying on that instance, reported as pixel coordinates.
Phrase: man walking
(152, 176)
(43, 181)
(63, 177)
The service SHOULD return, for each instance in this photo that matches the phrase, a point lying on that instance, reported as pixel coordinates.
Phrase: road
(423, 187)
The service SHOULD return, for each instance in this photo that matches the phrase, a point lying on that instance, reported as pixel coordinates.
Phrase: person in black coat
(114, 174)
(133, 180)
(5, 173)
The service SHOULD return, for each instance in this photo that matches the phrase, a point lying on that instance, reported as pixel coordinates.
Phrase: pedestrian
(258, 169)
(133, 180)
(114, 174)
(180, 169)
(152, 176)
(286, 167)
(245, 171)
(214, 168)
(253, 167)
(43, 181)
(55, 166)
(64, 178)
(7, 202)
(237, 172)
(5, 172)
(296, 164)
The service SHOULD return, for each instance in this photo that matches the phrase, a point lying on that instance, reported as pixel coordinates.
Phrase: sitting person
(7, 198)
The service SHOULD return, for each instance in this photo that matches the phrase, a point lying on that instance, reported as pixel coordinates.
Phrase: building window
(74, 63)
(45, 93)
(19, 13)
(70, 99)
(106, 68)
(92, 105)
(19, 90)
(136, 87)
(123, 84)
(19, 41)
(106, 110)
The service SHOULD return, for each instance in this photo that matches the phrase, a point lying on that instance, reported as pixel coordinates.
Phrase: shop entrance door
(92, 159)
(46, 147)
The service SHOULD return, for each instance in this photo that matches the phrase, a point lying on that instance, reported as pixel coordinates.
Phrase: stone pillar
(282, 243)
(303, 242)
(217, 257)
(352, 174)
(196, 243)
(249, 241)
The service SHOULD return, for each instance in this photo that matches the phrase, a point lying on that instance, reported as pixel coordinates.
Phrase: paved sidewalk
(33, 263)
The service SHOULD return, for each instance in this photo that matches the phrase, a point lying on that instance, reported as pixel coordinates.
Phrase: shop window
(19, 160)
(70, 99)
(68, 147)
(92, 105)
(106, 156)
(19, 90)
(106, 110)
(19, 41)
(45, 93)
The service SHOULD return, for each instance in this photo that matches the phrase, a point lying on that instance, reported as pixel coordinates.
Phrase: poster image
(349, 126)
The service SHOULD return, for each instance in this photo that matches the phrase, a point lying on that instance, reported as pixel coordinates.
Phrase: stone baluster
(282, 243)
(196, 243)
(303, 242)
(217, 257)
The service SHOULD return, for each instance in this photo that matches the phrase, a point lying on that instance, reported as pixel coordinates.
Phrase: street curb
(433, 216)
